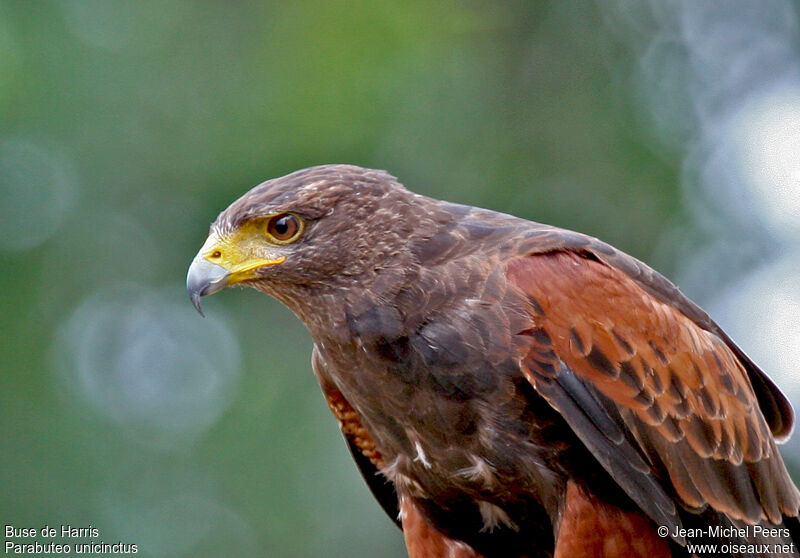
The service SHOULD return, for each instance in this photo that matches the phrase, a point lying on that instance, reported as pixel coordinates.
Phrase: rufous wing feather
(600, 346)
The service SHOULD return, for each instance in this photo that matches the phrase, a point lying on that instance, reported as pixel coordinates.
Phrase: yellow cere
(241, 252)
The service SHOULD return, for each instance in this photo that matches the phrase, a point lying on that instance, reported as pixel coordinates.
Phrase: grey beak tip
(204, 278)
(195, 298)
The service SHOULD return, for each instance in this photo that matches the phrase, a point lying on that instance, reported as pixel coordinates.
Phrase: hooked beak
(220, 263)
(204, 278)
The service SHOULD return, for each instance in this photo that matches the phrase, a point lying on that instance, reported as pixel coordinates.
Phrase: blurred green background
(125, 127)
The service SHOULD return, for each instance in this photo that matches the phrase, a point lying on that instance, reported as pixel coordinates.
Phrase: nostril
(216, 254)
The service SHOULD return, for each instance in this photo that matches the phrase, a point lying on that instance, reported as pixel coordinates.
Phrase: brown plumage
(508, 388)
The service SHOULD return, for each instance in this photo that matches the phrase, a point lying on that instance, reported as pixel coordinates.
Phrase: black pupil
(282, 225)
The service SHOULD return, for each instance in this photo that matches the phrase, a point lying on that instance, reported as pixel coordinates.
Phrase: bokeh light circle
(172, 510)
(38, 190)
(767, 134)
(148, 362)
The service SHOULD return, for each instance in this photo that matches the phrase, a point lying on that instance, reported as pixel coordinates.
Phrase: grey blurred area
(669, 129)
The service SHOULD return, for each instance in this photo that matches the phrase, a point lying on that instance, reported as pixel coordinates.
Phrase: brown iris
(284, 227)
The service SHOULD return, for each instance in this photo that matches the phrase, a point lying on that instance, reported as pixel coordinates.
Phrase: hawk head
(331, 224)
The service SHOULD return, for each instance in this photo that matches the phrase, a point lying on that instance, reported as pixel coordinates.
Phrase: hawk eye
(284, 228)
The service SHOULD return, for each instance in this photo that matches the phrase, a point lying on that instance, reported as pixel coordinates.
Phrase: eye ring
(284, 228)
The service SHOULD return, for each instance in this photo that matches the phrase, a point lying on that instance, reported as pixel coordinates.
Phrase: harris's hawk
(509, 388)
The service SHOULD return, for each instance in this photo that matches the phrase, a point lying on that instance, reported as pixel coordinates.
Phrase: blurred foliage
(125, 127)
